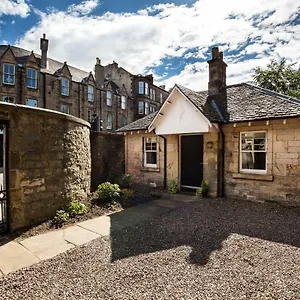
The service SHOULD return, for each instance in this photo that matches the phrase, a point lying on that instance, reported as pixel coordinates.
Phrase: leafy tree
(280, 77)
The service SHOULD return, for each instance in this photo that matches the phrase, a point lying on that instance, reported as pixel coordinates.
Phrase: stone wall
(282, 180)
(48, 162)
(107, 157)
(134, 159)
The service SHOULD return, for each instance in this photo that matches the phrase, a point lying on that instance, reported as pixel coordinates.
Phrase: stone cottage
(242, 139)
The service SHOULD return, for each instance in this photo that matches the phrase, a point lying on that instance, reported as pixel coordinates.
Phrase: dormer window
(108, 98)
(123, 102)
(65, 87)
(9, 74)
(90, 93)
(31, 78)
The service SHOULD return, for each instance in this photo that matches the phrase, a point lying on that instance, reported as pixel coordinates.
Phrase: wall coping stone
(259, 177)
(5, 107)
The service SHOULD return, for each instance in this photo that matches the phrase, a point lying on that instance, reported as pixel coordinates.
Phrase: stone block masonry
(49, 162)
(107, 157)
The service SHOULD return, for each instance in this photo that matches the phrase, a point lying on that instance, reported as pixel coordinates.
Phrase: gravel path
(206, 250)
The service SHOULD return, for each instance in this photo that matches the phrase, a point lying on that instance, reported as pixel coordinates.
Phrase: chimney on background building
(99, 73)
(217, 72)
(44, 48)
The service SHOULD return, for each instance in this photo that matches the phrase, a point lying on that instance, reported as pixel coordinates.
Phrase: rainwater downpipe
(165, 160)
(222, 164)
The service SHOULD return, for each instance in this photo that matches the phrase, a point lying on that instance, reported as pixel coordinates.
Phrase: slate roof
(139, 124)
(245, 102)
(53, 65)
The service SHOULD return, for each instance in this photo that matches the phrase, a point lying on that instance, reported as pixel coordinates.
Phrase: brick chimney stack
(44, 43)
(99, 73)
(217, 72)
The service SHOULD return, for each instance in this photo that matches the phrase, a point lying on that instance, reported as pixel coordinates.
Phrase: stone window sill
(146, 169)
(260, 177)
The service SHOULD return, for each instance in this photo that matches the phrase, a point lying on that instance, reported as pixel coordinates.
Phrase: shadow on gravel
(204, 225)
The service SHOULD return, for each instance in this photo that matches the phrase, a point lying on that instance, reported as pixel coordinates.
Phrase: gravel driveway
(210, 249)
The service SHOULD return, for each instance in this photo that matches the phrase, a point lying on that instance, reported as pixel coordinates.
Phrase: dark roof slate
(139, 124)
(53, 65)
(245, 102)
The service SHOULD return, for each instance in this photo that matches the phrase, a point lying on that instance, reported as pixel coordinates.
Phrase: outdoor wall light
(209, 145)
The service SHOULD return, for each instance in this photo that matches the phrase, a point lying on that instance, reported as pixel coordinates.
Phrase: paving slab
(101, 225)
(14, 256)
(47, 245)
(78, 235)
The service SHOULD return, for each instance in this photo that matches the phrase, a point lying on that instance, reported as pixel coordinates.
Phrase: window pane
(146, 108)
(146, 88)
(151, 158)
(141, 107)
(254, 160)
(31, 102)
(141, 87)
(90, 93)
(108, 98)
(148, 146)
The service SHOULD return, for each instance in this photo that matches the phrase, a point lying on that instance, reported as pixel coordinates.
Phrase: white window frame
(91, 93)
(108, 99)
(146, 88)
(8, 99)
(63, 87)
(151, 140)
(9, 74)
(141, 87)
(65, 106)
(253, 171)
(123, 102)
(109, 124)
(33, 79)
(141, 112)
(32, 100)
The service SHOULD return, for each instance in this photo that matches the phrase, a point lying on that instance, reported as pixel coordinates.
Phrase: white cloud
(18, 8)
(84, 8)
(141, 41)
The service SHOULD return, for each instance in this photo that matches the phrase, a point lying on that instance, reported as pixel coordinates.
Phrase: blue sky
(171, 39)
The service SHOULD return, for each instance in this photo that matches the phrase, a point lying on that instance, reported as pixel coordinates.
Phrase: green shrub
(127, 193)
(204, 187)
(76, 208)
(173, 187)
(60, 217)
(199, 193)
(108, 192)
(126, 180)
(126, 196)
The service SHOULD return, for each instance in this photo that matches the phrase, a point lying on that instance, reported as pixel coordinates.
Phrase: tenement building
(109, 98)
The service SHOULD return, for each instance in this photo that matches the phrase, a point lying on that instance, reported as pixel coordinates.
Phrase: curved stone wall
(48, 162)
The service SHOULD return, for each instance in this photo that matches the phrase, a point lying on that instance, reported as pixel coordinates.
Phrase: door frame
(179, 160)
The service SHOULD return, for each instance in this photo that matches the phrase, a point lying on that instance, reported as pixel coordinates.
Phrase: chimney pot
(44, 49)
(215, 52)
(98, 61)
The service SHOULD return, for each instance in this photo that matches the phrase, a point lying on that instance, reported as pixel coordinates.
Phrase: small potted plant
(204, 187)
